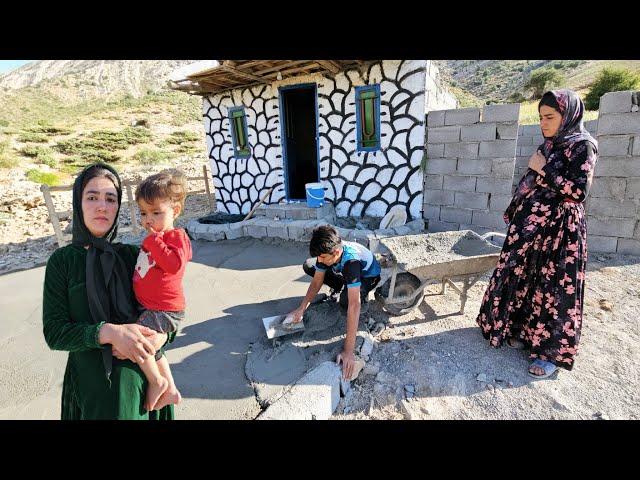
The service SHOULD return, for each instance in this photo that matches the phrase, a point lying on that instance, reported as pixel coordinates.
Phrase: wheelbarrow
(412, 262)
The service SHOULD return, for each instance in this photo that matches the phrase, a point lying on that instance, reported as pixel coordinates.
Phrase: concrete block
(605, 207)
(474, 166)
(530, 130)
(343, 232)
(527, 150)
(501, 113)
(503, 167)
(498, 148)
(435, 150)
(298, 214)
(212, 236)
(416, 225)
(361, 236)
(278, 230)
(628, 246)
(487, 218)
(461, 150)
(462, 116)
(314, 397)
(478, 132)
(455, 215)
(471, 200)
(431, 212)
(614, 145)
(433, 182)
(601, 244)
(443, 135)
(310, 226)
(617, 167)
(295, 230)
(499, 203)
(494, 185)
(633, 187)
(635, 143)
(459, 183)
(439, 226)
(440, 165)
(435, 118)
(615, 102)
(236, 230)
(618, 227)
(403, 230)
(524, 142)
(507, 131)
(438, 197)
(619, 124)
(384, 233)
(255, 231)
(609, 187)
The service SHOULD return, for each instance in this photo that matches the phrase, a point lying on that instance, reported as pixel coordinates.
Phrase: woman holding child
(90, 310)
(535, 296)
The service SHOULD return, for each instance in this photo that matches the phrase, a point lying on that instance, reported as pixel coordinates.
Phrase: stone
(482, 378)
(370, 369)
(367, 345)
(314, 397)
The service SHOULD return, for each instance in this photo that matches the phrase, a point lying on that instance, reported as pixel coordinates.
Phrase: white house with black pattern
(358, 127)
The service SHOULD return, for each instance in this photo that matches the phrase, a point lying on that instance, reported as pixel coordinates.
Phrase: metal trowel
(276, 326)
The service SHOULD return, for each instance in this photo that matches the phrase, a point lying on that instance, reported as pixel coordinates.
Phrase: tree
(543, 79)
(610, 80)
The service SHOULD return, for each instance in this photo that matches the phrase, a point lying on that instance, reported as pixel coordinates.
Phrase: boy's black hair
(549, 100)
(324, 239)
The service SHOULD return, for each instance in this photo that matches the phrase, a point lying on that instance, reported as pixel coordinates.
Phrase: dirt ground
(433, 363)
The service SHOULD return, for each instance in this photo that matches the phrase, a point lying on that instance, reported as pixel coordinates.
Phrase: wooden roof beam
(329, 65)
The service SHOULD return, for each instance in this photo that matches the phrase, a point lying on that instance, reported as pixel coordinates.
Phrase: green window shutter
(238, 125)
(368, 101)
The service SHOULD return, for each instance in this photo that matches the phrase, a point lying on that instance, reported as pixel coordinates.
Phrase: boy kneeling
(339, 263)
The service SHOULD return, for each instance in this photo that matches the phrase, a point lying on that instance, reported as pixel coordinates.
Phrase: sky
(6, 65)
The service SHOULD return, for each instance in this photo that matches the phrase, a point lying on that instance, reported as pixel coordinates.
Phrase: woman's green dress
(86, 392)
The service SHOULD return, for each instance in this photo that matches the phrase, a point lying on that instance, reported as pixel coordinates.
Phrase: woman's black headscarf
(109, 282)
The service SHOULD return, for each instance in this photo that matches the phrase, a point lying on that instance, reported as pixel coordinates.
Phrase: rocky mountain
(92, 78)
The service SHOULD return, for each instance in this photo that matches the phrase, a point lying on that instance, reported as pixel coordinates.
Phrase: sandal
(514, 343)
(548, 367)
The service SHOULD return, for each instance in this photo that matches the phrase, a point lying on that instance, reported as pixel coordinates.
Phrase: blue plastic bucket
(315, 194)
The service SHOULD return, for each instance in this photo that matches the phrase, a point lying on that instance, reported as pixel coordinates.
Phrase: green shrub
(182, 136)
(4, 123)
(50, 129)
(33, 137)
(147, 156)
(39, 176)
(7, 159)
(113, 140)
(610, 80)
(542, 80)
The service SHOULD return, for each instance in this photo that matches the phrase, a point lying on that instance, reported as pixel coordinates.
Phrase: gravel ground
(433, 363)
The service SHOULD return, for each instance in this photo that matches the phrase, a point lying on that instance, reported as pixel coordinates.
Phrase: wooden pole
(258, 204)
(132, 210)
(206, 186)
(53, 216)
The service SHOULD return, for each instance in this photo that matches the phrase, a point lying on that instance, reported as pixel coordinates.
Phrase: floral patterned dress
(536, 291)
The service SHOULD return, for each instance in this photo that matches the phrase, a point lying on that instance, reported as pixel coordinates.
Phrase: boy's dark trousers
(335, 281)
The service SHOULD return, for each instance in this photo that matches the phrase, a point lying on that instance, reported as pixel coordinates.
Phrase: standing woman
(535, 296)
(89, 309)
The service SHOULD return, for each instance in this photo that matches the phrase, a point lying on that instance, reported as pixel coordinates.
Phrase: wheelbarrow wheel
(406, 284)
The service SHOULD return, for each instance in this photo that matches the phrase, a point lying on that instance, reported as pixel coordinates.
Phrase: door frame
(283, 137)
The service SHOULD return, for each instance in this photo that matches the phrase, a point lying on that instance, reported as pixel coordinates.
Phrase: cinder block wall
(613, 205)
(469, 169)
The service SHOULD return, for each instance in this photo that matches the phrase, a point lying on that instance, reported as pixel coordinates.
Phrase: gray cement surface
(229, 287)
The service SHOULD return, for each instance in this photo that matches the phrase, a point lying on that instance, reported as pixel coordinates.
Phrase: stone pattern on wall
(613, 204)
(469, 167)
(357, 183)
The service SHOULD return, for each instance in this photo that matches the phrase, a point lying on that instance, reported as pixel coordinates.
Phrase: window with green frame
(368, 118)
(238, 126)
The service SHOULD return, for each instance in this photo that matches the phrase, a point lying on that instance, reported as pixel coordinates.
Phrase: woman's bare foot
(171, 396)
(154, 392)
